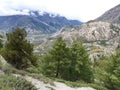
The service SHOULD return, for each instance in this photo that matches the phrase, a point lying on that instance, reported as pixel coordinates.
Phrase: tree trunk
(58, 69)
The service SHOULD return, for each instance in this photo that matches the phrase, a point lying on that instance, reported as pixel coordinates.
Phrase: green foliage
(17, 50)
(107, 72)
(9, 82)
(80, 64)
(69, 63)
(53, 62)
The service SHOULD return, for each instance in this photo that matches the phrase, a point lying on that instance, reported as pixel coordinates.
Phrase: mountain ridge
(112, 15)
(45, 23)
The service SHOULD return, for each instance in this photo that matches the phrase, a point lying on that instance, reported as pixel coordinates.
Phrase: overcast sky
(83, 10)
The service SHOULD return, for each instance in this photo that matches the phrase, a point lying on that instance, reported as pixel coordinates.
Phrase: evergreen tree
(17, 50)
(80, 64)
(115, 71)
(107, 71)
(68, 63)
(54, 60)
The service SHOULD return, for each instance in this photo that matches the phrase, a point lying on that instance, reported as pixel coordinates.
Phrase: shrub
(9, 82)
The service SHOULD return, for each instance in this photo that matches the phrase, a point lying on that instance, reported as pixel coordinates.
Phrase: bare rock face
(112, 15)
(96, 31)
(2, 64)
(2, 60)
(93, 31)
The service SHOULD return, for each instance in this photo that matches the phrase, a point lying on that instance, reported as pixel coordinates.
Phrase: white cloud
(74, 9)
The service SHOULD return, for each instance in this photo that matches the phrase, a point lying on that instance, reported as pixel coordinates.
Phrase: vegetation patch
(9, 82)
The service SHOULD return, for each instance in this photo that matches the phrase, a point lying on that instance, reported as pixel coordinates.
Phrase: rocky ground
(40, 85)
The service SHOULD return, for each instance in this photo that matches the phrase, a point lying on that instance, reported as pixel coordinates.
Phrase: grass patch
(9, 82)
(8, 69)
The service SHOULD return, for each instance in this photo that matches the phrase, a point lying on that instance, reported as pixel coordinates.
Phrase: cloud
(74, 9)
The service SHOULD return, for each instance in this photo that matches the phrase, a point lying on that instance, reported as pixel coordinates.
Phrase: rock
(2, 60)
(1, 72)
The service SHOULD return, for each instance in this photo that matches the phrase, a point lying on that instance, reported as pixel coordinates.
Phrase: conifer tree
(69, 63)
(17, 50)
(107, 71)
(55, 59)
(80, 64)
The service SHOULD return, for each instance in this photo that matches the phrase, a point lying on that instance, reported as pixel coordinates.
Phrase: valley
(50, 52)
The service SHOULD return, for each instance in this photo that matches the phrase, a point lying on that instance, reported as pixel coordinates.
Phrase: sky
(83, 10)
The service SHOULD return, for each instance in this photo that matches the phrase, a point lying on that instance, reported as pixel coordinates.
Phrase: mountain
(100, 38)
(94, 31)
(112, 15)
(34, 21)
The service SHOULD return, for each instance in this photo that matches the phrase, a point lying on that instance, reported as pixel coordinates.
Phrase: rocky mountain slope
(94, 31)
(100, 38)
(112, 15)
(34, 21)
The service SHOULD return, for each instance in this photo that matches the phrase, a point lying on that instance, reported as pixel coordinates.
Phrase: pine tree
(17, 50)
(68, 63)
(115, 71)
(54, 61)
(80, 64)
(107, 71)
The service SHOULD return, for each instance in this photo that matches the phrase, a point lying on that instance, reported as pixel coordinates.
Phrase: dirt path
(57, 85)
(40, 85)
